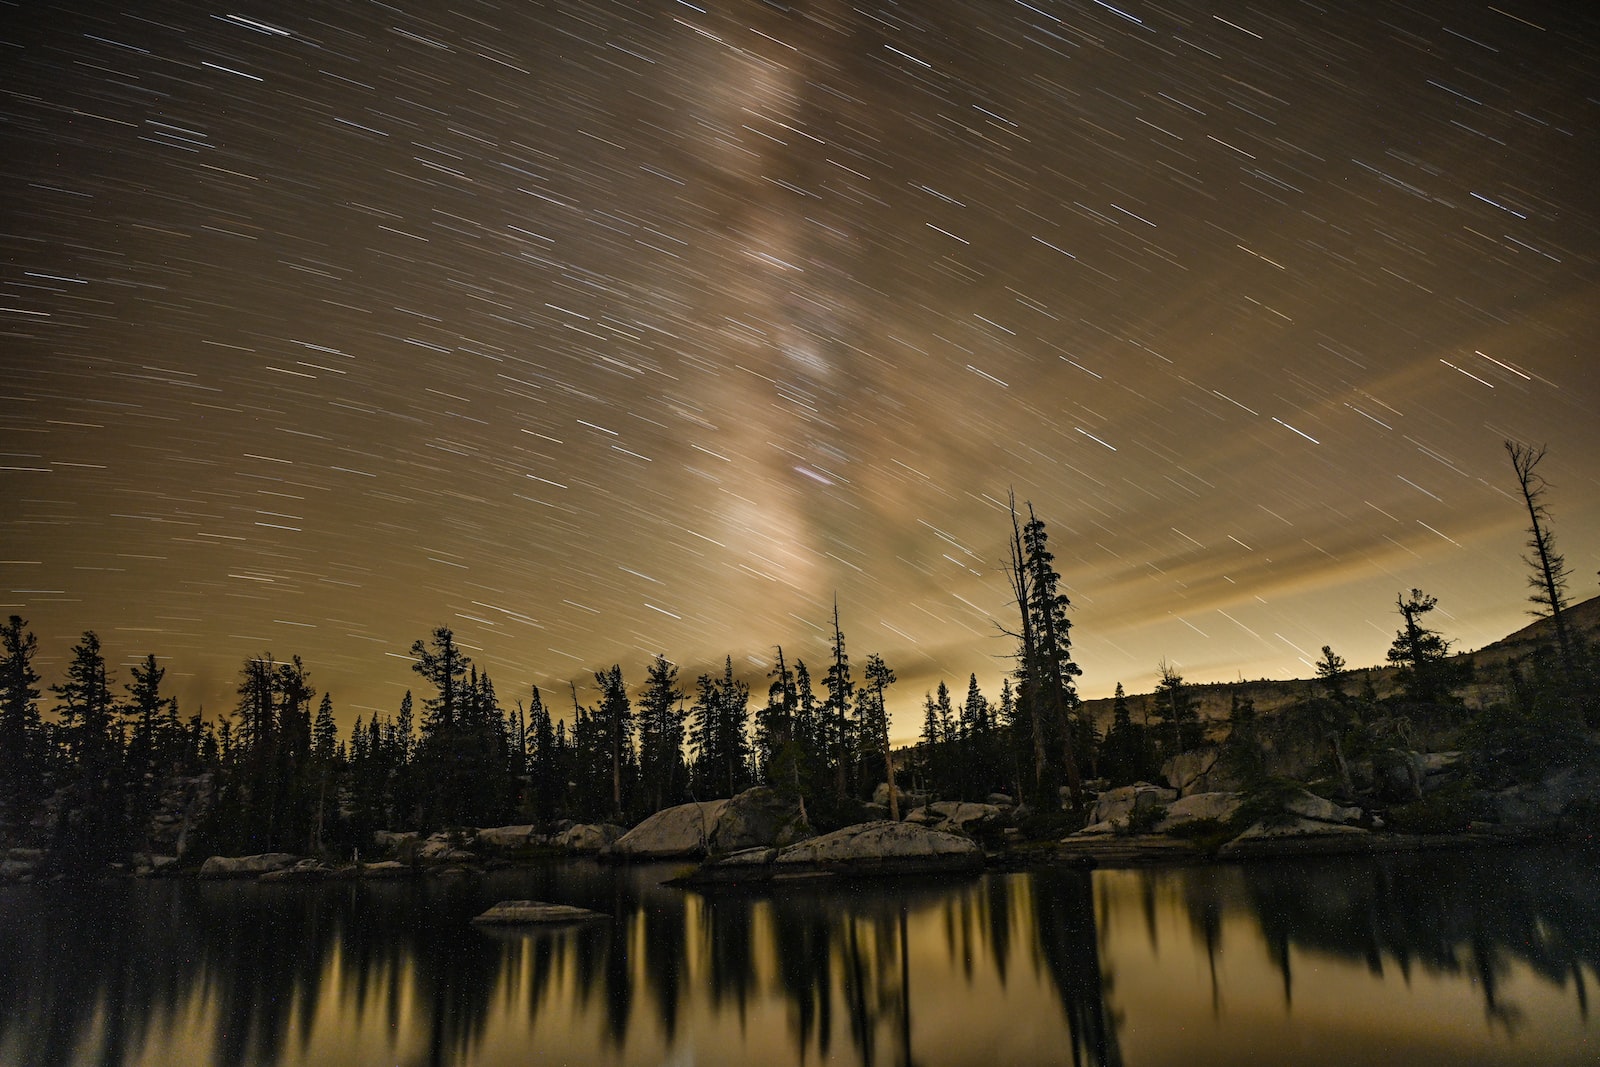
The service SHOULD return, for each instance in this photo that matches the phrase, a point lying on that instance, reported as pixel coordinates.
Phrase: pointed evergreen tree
(979, 759)
(720, 718)
(448, 756)
(1422, 655)
(325, 769)
(90, 822)
(87, 712)
(661, 734)
(873, 716)
(543, 767)
(1053, 671)
(21, 730)
(836, 710)
(152, 720)
(614, 722)
(1331, 672)
(1174, 706)
(775, 722)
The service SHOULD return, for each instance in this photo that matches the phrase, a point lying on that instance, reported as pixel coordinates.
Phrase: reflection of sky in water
(1412, 960)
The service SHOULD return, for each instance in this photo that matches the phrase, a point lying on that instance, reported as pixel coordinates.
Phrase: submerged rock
(532, 912)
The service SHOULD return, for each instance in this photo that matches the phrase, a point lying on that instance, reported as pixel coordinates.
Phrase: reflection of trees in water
(1064, 920)
(1473, 915)
(122, 968)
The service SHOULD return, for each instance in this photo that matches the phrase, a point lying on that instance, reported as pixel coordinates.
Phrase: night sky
(593, 330)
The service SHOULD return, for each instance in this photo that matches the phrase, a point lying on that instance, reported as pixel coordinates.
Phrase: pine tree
(445, 667)
(91, 822)
(614, 722)
(775, 722)
(836, 710)
(21, 731)
(874, 719)
(1331, 672)
(87, 711)
(1549, 570)
(1053, 670)
(720, 719)
(661, 734)
(151, 734)
(978, 763)
(544, 766)
(1422, 655)
(1174, 706)
(448, 752)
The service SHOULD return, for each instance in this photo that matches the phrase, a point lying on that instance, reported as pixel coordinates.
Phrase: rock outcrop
(906, 799)
(958, 816)
(1202, 770)
(1309, 806)
(683, 830)
(759, 816)
(1219, 807)
(1115, 808)
(306, 871)
(246, 866)
(870, 849)
(588, 837)
(502, 838)
(756, 817)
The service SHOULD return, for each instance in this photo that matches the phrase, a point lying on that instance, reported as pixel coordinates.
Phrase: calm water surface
(1464, 958)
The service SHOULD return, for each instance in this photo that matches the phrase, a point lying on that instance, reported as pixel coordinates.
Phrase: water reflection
(1389, 960)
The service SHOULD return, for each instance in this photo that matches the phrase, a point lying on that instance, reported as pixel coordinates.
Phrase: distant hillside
(1488, 671)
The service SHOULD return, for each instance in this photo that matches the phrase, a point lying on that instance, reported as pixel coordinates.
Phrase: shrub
(1143, 820)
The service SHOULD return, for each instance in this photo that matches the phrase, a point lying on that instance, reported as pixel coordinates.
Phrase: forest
(84, 780)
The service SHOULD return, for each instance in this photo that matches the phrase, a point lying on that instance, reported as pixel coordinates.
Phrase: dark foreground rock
(534, 912)
(871, 849)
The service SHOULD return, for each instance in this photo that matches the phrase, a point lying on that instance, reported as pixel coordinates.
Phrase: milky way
(597, 330)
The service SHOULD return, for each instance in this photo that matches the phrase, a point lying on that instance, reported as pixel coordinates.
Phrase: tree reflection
(1473, 915)
(869, 972)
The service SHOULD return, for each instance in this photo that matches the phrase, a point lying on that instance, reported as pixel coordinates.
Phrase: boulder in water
(531, 912)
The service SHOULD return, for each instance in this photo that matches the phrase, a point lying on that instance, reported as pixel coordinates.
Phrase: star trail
(596, 330)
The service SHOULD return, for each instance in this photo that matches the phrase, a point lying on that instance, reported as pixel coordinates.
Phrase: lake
(1481, 957)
